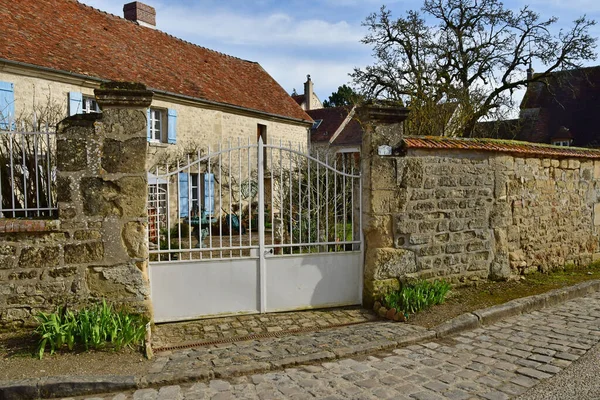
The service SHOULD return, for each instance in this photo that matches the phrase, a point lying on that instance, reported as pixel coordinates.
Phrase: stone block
(40, 257)
(124, 156)
(387, 263)
(134, 235)
(71, 154)
(597, 214)
(117, 282)
(133, 196)
(62, 272)
(119, 123)
(387, 201)
(87, 234)
(383, 173)
(7, 256)
(410, 173)
(83, 253)
(63, 188)
(100, 197)
(573, 164)
(373, 290)
(379, 231)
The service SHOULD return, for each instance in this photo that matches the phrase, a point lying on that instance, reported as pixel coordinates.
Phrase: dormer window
(562, 138)
(316, 123)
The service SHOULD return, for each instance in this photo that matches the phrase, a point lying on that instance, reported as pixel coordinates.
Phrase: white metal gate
(254, 228)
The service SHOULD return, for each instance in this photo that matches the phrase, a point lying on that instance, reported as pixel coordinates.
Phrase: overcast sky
(293, 38)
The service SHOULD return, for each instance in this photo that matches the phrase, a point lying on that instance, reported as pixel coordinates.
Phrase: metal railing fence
(27, 173)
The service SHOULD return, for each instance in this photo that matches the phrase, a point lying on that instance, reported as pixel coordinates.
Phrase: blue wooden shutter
(7, 104)
(209, 194)
(184, 195)
(148, 134)
(75, 103)
(172, 126)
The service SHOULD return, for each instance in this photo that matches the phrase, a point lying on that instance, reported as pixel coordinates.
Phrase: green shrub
(92, 327)
(415, 297)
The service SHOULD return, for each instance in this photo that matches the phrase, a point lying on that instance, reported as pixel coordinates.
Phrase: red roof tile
(504, 146)
(68, 36)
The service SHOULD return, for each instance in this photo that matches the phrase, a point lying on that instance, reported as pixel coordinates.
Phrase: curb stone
(514, 307)
(85, 385)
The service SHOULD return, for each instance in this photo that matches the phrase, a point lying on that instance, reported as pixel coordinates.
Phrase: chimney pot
(141, 13)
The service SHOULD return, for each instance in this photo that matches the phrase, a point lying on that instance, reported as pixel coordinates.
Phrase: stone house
(60, 51)
(559, 110)
(336, 130)
(562, 109)
(309, 99)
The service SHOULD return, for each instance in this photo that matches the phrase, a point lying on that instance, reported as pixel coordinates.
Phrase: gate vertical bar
(261, 228)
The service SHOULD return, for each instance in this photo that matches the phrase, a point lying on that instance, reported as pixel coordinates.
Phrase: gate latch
(269, 251)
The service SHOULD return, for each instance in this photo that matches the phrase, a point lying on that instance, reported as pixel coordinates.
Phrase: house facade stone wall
(466, 215)
(97, 248)
(197, 124)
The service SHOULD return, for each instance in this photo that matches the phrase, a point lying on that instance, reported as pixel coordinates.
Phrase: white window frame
(157, 118)
(564, 143)
(89, 105)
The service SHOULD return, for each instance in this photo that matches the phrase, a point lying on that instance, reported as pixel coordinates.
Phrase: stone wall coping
(382, 113)
(123, 95)
(500, 146)
(14, 225)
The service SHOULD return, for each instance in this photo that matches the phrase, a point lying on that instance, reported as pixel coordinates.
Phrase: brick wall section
(468, 211)
(97, 248)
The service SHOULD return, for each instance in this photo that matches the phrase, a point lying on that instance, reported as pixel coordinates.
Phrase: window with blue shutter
(209, 194)
(75, 100)
(184, 194)
(172, 126)
(148, 132)
(7, 105)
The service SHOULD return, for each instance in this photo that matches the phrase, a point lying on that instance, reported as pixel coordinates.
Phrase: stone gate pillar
(382, 127)
(102, 188)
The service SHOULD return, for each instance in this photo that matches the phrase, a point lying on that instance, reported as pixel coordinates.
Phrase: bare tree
(474, 56)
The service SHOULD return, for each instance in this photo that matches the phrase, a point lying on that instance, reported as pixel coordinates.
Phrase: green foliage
(413, 298)
(92, 327)
(344, 96)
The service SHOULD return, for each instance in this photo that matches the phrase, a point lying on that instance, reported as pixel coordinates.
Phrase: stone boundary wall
(96, 249)
(464, 215)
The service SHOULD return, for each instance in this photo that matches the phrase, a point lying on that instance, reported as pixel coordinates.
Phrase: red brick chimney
(141, 13)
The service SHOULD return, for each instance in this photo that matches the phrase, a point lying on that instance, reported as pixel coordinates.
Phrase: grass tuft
(94, 327)
(412, 298)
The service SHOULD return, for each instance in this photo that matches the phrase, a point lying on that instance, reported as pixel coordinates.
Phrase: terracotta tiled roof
(504, 146)
(68, 36)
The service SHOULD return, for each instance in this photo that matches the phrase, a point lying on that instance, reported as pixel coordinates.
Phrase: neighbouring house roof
(565, 99)
(503, 146)
(337, 126)
(298, 98)
(68, 36)
(501, 129)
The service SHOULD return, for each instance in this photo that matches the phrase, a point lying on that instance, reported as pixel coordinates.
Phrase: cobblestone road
(499, 361)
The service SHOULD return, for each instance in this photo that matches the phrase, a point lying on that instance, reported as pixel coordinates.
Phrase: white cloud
(257, 30)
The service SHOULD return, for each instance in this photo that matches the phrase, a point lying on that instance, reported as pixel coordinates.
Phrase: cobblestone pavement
(499, 361)
(199, 331)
